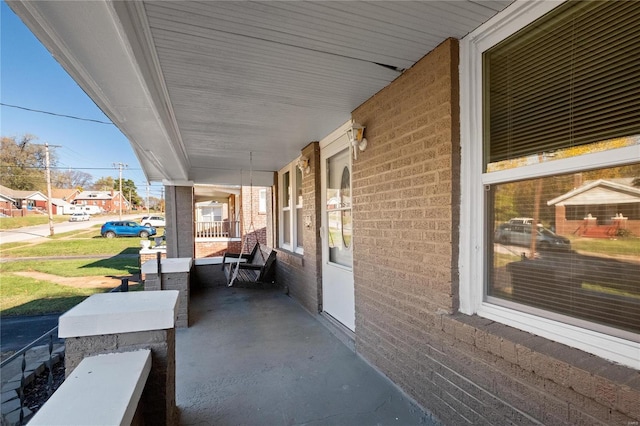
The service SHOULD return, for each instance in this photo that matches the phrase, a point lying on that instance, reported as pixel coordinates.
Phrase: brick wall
(215, 248)
(465, 370)
(254, 223)
(301, 275)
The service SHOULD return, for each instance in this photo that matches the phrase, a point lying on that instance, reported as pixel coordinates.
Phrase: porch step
(603, 231)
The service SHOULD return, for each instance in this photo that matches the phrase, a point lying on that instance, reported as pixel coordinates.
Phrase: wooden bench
(232, 258)
(256, 274)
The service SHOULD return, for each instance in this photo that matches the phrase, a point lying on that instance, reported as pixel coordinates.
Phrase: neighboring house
(108, 201)
(6, 204)
(65, 194)
(61, 207)
(599, 208)
(26, 200)
(469, 106)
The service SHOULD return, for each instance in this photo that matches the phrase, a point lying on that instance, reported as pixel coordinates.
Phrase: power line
(65, 167)
(56, 114)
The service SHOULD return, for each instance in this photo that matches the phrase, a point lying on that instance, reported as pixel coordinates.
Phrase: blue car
(126, 228)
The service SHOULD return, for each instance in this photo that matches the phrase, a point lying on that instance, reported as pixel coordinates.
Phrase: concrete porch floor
(254, 357)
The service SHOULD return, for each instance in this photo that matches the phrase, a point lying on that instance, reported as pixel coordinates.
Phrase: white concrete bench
(102, 390)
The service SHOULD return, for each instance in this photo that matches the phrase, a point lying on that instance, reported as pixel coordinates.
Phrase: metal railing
(51, 335)
(218, 229)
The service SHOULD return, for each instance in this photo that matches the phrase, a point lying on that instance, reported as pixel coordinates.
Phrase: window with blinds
(571, 79)
(566, 246)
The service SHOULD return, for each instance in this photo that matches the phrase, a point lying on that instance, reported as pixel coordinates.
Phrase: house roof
(206, 91)
(4, 197)
(60, 202)
(97, 195)
(22, 195)
(64, 193)
(600, 192)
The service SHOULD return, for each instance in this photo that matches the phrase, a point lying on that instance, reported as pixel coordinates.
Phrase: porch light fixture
(303, 164)
(355, 133)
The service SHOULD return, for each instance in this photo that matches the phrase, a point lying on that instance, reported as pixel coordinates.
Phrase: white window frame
(295, 203)
(472, 256)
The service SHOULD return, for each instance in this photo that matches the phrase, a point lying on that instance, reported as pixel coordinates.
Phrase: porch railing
(218, 229)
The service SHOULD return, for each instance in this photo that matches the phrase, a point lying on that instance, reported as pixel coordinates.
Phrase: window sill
(603, 345)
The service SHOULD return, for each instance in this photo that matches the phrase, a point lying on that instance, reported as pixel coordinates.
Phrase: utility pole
(120, 166)
(147, 198)
(48, 170)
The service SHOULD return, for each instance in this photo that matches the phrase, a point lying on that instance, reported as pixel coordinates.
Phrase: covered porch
(255, 357)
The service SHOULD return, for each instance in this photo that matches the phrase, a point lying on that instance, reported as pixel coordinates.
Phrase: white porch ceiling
(197, 86)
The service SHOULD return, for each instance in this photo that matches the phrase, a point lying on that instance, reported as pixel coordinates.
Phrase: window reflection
(570, 244)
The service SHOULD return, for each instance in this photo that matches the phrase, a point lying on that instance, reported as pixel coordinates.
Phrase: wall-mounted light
(355, 133)
(303, 164)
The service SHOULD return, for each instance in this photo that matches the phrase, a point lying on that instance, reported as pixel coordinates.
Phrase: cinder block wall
(159, 395)
(301, 275)
(180, 221)
(465, 370)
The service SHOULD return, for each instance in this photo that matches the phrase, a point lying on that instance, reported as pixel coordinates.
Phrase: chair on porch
(258, 274)
(248, 258)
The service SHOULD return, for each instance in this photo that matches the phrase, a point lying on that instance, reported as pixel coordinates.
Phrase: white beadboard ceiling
(198, 86)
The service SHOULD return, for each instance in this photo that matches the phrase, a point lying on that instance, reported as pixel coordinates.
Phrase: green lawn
(27, 296)
(20, 295)
(76, 243)
(31, 220)
(114, 266)
(629, 246)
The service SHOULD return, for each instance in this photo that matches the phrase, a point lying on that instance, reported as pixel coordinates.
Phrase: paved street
(17, 332)
(42, 231)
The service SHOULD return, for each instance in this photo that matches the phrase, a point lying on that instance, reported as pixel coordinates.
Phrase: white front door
(338, 299)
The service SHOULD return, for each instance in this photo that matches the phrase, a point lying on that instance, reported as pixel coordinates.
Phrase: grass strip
(30, 220)
(94, 245)
(113, 266)
(628, 246)
(27, 296)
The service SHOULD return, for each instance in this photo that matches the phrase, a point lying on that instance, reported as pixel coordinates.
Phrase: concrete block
(141, 338)
(35, 367)
(10, 405)
(29, 376)
(90, 344)
(11, 386)
(9, 395)
(13, 418)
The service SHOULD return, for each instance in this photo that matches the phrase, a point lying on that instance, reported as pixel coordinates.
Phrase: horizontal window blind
(569, 79)
(570, 245)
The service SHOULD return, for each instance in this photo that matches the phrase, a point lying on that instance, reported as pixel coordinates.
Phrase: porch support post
(180, 221)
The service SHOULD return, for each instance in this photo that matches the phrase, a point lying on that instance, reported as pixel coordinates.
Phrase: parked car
(157, 221)
(521, 220)
(126, 229)
(520, 235)
(79, 217)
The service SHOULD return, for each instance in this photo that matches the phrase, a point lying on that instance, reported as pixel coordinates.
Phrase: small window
(291, 211)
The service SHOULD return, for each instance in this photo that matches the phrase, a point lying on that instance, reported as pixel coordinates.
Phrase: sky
(31, 78)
